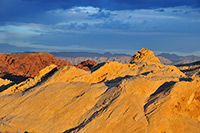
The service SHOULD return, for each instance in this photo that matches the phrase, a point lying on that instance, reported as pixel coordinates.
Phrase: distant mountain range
(86, 54)
(77, 57)
(175, 59)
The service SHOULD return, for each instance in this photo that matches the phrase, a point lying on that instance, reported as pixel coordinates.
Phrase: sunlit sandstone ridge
(143, 96)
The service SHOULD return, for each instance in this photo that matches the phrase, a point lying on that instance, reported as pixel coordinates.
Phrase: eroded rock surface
(145, 96)
(31, 82)
(86, 65)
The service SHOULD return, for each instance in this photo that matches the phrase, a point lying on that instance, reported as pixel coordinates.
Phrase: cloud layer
(103, 25)
(27, 10)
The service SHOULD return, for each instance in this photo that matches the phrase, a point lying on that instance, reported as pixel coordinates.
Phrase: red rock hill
(29, 64)
(86, 65)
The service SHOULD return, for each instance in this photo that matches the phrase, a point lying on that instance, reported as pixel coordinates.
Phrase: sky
(117, 26)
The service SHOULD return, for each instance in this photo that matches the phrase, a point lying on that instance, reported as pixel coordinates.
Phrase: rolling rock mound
(143, 96)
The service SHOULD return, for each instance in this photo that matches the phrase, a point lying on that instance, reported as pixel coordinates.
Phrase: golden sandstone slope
(143, 96)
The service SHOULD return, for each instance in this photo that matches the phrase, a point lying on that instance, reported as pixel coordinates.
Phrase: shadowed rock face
(143, 97)
(191, 69)
(86, 65)
(31, 82)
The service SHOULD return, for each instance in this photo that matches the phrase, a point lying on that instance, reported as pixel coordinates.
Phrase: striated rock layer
(31, 82)
(144, 96)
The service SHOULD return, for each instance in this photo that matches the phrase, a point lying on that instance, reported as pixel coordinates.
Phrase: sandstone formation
(144, 96)
(144, 56)
(4, 83)
(27, 64)
(31, 82)
(86, 65)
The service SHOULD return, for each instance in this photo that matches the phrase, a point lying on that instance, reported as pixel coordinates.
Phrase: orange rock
(86, 65)
(28, 64)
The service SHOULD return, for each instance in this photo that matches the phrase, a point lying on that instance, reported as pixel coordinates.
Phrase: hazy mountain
(86, 54)
(77, 57)
(175, 59)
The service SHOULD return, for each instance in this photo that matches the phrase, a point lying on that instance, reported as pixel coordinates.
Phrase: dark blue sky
(123, 26)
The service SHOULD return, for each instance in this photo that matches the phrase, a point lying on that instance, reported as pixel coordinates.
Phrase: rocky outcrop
(144, 55)
(4, 84)
(31, 82)
(27, 64)
(145, 96)
(86, 65)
